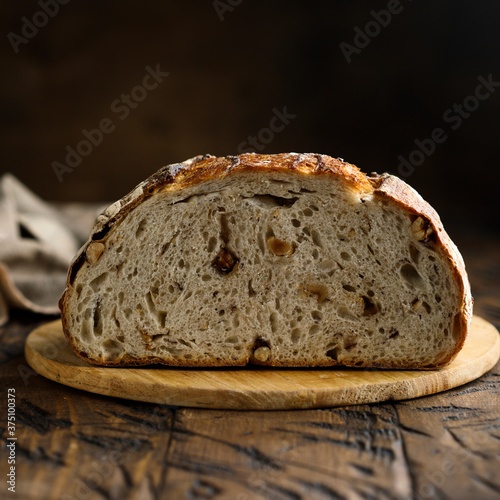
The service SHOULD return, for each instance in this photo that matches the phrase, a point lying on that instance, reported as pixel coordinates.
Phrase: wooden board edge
(235, 399)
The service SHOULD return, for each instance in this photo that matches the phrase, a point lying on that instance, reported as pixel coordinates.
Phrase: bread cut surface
(280, 260)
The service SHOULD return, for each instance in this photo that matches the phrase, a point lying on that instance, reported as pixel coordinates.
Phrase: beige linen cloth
(37, 244)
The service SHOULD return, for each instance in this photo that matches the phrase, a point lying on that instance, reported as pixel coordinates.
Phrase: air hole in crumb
(345, 256)
(141, 229)
(370, 293)
(314, 329)
(349, 343)
(273, 318)
(295, 223)
(333, 353)
(212, 243)
(349, 288)
(271, 201)
(260, 242)
(411, 276)
(97, 282)
(344, 313)
(112, 348)
(370, 308)
(317, 239)
(393, 333)
(97, 318)
(295, 335)
(414, 254)
(316, 316)
(162, 316)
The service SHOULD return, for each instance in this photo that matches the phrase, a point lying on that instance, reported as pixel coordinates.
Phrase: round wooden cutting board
(257, 388)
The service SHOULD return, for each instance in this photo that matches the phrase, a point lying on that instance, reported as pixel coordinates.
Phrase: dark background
(226, 77)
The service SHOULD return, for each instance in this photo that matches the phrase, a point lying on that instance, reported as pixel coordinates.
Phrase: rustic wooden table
(75, 445)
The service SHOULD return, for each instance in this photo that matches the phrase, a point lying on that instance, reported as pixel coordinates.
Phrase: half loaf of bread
(281, 260)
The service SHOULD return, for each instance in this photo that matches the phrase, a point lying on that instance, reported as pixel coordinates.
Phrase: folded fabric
(37, 245)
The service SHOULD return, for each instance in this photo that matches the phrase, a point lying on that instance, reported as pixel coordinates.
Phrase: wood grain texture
(257, 388)
(77, 445)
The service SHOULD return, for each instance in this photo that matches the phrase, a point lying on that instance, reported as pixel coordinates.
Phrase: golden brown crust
(393, 188)
(199, 169)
